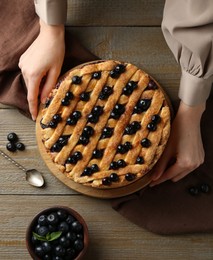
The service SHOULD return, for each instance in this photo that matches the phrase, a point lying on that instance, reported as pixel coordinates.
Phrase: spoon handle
(12, 161)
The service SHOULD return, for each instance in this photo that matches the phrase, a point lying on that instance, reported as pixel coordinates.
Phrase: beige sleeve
(52, 12)
(188, 29)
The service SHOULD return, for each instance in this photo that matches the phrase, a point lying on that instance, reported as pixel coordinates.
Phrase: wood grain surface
(123, 30)
(115, 13)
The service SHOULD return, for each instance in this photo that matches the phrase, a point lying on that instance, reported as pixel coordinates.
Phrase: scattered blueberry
(12, 137)
(13, 144)
(193, 190)
(11, 147)
(205, 188)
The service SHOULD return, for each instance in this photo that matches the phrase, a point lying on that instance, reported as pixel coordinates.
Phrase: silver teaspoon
(33, 176)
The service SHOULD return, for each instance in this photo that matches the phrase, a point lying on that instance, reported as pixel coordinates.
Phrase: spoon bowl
(34, 178)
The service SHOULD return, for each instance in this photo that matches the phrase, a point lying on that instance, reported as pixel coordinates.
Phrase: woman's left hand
(184, 151)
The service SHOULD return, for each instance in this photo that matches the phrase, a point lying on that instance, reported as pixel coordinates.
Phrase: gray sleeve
(53, 12)
(188, 30)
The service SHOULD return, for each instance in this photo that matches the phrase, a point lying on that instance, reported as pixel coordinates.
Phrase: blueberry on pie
(105, 124)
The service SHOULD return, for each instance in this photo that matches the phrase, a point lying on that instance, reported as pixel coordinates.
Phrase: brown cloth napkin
(19, 27)
(169, 208)
(164, 209)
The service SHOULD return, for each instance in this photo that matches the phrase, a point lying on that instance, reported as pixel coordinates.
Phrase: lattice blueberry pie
(105, 124)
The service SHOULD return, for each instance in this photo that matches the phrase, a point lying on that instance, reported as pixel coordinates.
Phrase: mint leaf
(54, 235)
(41, 238)
(49, 237)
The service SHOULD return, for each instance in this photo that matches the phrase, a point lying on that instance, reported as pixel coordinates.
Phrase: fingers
(162, 164)
(32, 81)
(32, 95)
(174, 173)
(49, 84)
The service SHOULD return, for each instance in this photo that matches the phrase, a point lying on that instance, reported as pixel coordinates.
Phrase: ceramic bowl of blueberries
(58, 233)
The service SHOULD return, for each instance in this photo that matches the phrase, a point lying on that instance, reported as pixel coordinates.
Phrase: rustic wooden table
(131, 34)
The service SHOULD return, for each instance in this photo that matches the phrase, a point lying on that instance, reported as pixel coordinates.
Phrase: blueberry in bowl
(58, 232)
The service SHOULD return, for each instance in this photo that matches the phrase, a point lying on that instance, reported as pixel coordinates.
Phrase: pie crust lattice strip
(106, 124)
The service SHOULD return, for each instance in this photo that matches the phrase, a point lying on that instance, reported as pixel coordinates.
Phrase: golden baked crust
(105, 124)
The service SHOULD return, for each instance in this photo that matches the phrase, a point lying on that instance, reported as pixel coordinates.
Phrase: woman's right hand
(41, 64)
